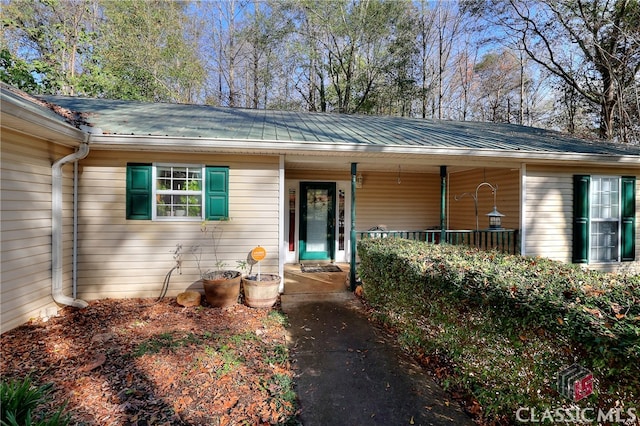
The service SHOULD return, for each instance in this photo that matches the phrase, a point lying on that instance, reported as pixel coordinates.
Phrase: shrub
(590, 318)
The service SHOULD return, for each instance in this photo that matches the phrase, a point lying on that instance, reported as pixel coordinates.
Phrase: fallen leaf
(97, 361)
(593, 311)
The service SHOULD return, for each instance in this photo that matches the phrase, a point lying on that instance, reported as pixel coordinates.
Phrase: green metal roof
(116, 117)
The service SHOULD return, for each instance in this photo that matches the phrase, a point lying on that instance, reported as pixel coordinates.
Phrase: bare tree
(592, 45)
(498, 75)
(462, 85)
(427, 69)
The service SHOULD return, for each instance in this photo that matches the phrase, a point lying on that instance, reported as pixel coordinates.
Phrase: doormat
(320, 268)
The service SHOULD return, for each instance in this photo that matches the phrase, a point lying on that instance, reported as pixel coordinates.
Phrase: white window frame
(187, 193)
(594, 221)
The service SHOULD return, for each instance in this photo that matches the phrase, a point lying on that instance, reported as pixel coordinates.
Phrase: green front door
(317, 220)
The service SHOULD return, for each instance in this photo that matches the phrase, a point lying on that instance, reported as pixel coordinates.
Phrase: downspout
(74, 252)
(56, 227)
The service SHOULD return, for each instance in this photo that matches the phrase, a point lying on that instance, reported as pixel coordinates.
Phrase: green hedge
(596, 314)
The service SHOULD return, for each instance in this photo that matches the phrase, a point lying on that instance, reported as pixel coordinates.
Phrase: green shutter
(581, 184)
(217, 193)
(628, 215)
(139, 191)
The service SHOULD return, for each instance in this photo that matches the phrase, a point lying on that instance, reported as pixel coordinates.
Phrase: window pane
(604, 241)
(605, 213)
(179, 191)
(605, 194)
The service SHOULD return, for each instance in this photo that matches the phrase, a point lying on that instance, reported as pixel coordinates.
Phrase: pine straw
(138, 362)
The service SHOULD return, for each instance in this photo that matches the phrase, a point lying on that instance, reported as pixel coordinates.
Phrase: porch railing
(506, 240)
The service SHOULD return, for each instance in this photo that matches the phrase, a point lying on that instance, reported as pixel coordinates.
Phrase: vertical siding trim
(281, 217)
(523, 210)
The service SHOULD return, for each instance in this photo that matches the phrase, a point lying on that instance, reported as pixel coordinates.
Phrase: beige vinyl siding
(26, 227)
(413, 204)
(549, 215)
(318, 175)
(462, 211)
(549, 210)
(130, 258)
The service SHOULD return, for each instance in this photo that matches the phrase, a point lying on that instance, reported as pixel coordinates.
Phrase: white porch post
(281, 216)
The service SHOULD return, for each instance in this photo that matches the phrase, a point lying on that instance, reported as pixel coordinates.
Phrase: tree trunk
(607, 106)
(256, 94)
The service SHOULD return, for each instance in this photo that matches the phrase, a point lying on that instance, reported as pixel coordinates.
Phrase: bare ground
(142, 362)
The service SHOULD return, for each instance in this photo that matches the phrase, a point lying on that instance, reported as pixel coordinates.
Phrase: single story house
(97, 194)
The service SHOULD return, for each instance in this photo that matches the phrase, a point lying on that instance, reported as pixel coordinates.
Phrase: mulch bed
(142, 362)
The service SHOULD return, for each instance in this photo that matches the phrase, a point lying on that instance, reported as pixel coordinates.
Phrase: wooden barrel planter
(263, 293)
(222, 289)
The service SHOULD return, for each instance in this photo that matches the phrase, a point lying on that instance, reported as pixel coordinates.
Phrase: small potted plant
(221, 286)
(260, 290)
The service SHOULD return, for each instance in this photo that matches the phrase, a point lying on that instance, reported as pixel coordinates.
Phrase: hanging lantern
(495, 219)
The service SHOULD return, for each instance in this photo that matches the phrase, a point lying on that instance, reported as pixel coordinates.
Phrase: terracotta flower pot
(222, 290)
(263, 293)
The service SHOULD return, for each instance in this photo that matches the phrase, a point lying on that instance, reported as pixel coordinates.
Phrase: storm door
(317, 220)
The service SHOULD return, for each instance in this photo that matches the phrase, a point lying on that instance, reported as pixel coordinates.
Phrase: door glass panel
(317, 211)
(318, 202)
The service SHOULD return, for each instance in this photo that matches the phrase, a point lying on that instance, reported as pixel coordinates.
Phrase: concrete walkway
(349, 372)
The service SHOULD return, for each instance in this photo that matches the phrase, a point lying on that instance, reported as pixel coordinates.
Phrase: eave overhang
(422, 154)
(24, 117)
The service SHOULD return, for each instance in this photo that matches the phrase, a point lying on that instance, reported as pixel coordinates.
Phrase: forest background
(572, 65)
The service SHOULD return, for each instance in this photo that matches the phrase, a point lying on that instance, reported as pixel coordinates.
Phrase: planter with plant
(260, 290)
(221, 286)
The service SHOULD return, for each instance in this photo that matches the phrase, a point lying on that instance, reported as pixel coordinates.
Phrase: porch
(415, 204)
(316, 286)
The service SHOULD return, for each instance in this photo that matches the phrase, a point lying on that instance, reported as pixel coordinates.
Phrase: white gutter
(56, 227)
(276, 147)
